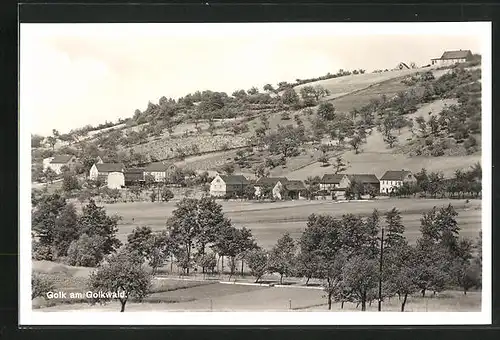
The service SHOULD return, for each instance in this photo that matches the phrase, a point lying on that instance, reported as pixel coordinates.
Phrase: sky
(72, 75)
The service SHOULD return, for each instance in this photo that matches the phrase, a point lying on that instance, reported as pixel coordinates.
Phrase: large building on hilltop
(453, 57)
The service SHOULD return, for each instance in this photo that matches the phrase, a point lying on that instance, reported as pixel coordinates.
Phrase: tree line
(349, 254)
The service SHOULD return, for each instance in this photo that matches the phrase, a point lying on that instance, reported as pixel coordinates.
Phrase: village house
(160, 171)
(134, 176)
(366, 179)
(453, 57)
(333, 182)
(275, 183)
(57, 162)
(102, 170)
(294, 189)
(227, 185)
(393, 179)
(115, 180)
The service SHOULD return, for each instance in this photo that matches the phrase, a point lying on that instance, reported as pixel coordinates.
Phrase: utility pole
(380, 272)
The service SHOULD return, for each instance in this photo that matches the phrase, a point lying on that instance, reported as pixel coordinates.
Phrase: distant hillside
(385, 116)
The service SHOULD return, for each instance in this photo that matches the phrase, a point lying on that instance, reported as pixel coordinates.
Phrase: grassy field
(268, 221)
(220, 297)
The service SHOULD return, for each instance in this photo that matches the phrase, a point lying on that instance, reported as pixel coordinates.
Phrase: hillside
(206, 131)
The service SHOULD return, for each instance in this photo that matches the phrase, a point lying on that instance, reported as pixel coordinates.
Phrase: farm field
(268, 221)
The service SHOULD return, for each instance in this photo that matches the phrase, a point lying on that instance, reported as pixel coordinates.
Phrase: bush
(437, 150)
(42, 252)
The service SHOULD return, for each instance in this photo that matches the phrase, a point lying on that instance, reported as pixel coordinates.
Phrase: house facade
(160, 171)
(227, 185)
(57, 162)
(366, 179)
(333, 182)
(102, 170)
(392, 180)
(452, 57)
(115, 180)
(294, 189)
(134, 176)
(276, 183)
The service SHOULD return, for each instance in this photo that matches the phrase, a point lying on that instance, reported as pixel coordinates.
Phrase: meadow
(269, 220)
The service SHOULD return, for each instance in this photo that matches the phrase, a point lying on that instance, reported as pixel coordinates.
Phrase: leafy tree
(95, 222)
(395, 229)
(36, 141)
(253, 91)
(340, 166)
(196, 223)
(440, 226)
(124, 275)
(208, 261)
(50, 175)
(390, 139)
(166, 194)
(44, 218)
(257, 262)
(65, 230)
(149, 180)
(70, 182)
(400, 272)
(228, 168)
(431, 266)
(52, 141)
(269, 88)
(40, 286)
(360, 273)
(326, 111)
(355, 143)
(282, 256)
(284, 141)
(324, 159)
(371, 190)
(86, 251)
(290, 97)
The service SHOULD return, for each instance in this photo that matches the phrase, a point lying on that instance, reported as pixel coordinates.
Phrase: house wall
(387, 186)
(116, 180)
(446, 62)
(217, 187)
(277, 189)
(328, 186)
(159, 176)
(93, 173)
(46, 162)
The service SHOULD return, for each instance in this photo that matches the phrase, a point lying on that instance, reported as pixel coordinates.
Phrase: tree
(86, 251)
(50, 175)
(152, 246)
(122, 277)
(269, 88)
(395, 229)
(290, 97)
(257, 262)
(52, 142)
(282, 256)
(40, 286)
(228, 168)
(355, 143)
(326, 111)
(439, 226)
(70, 182)
(65, 230)
(43, 221)
(399, 272)
(196, 223)
(166, 194)
(360, 273)
(253, 91)
(324, 159)
(149, 180)
(371, 190)
(284, 141)
(36, 141)
(390, 139)
(340, 166)
(95, 222)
